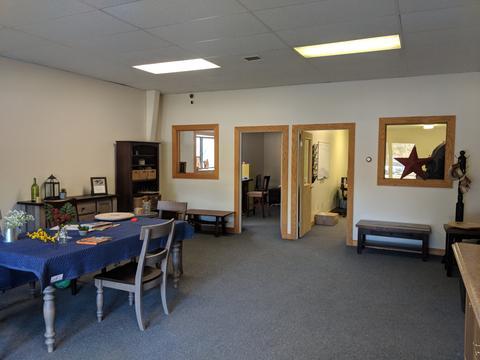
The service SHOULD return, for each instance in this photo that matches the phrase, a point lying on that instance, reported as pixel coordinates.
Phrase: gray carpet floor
(254, 296)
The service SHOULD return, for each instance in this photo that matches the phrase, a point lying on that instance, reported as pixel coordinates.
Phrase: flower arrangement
(65, 215)
(17, 218)
(42, 235)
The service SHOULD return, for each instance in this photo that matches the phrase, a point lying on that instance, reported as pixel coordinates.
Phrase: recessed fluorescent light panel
(177, 66)
(380, 43)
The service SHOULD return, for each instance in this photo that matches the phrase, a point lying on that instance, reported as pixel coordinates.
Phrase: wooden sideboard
(88, 206)
(468, 260)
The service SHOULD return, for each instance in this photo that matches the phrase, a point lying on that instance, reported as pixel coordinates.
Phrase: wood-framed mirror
(416, 151)
(195, 151)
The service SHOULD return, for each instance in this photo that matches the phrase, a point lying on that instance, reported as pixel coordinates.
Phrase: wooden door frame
(284, 130)
(350, 173)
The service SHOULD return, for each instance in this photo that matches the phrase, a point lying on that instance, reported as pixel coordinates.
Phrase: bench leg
(425, 248)
(217, 227)
(360, 241)
(224, 226)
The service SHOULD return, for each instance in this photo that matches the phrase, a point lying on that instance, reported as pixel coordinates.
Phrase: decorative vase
(10, 235)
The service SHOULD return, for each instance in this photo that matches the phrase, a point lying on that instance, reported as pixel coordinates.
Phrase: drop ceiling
(105, 38)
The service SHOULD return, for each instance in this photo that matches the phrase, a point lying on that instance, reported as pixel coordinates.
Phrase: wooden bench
(195, 217)
(396, 230)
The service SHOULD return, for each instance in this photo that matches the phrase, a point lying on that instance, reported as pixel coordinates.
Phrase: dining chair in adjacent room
(168, 209)
(259, 195)
(150, 271)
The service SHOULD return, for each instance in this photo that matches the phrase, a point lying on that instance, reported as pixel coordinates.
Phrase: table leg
(176, 262)
(33, 289)
(49, 316)
(217, 227)
(449, 255)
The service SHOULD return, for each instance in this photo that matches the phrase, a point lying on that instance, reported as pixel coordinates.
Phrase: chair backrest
(147, 234)
(59, 205)
(168, 209)
(266, 181)
(258, 182)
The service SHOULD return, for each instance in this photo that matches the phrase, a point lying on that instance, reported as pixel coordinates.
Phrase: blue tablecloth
(73, 260)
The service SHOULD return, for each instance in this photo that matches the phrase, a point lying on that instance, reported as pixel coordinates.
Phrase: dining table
(51, 262)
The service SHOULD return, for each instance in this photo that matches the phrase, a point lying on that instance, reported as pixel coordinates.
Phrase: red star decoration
(413, 164)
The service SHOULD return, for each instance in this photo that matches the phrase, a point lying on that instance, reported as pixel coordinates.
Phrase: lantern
(52, 188)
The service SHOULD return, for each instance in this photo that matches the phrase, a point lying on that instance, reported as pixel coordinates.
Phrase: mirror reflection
(197, 151)
(415, 151)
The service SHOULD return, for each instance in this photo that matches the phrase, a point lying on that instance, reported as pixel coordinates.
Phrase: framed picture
(98, 185)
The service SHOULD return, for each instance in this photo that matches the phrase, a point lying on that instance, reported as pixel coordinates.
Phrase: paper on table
(69, 227)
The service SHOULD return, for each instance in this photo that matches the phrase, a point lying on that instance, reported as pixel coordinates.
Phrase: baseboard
(431, 251)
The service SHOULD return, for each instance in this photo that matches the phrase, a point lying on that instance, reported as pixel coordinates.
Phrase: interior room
(261, 179)
(132, 134)
(323, 200)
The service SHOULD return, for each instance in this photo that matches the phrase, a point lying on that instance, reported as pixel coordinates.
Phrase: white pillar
(152, 108)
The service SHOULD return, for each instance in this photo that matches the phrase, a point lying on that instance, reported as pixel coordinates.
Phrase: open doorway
(261, 175)
(322, 181)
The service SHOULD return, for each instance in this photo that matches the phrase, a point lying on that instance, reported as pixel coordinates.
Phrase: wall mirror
(195, 151)
(416, 151)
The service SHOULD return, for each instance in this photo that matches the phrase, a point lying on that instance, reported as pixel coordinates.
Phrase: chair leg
(138, 309)
(130, 298)
(99, 285)
(262, 202)
(163, 290)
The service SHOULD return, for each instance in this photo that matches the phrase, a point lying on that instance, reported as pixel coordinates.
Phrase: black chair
(259, 195)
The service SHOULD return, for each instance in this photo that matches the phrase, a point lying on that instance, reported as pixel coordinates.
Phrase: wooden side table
(453, 235)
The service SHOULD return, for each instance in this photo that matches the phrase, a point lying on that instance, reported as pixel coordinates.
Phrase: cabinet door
(104, 206)
(86, 207)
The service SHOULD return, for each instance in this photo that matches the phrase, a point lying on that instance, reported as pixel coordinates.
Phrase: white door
(305, 181)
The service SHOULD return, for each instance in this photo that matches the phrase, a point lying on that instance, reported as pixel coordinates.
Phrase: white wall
(57, 122)
(362, 102)
(324, 191)
(272, 158)
(253, 153)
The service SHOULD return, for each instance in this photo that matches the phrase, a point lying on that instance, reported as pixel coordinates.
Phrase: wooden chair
(135, 278)
(259, 195)
(168, 209)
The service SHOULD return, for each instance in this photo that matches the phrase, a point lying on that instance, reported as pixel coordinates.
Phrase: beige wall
(362, 102)
(324, 192)
(57, 122)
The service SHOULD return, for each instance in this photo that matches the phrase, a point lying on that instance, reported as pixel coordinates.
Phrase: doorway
(271, 138)
(323, 180)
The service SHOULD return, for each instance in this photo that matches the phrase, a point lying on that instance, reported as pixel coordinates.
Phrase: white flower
(17, 218)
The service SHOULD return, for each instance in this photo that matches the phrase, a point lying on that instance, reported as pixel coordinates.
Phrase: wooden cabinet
(87, 206)
(137, 171)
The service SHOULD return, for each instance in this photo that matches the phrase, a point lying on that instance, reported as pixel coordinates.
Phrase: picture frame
(98, 186)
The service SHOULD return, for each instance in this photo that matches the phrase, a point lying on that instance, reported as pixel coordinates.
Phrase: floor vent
(252, 58)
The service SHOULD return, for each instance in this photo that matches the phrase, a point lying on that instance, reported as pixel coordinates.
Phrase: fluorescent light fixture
(428, 127)
(380, 43)
(177, 66)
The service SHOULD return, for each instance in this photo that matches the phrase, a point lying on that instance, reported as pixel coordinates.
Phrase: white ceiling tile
(269, 4)
(407, 6)
(242, 45)
(235, 25)
(23, 12)
(171, 53)
(374, 65)
(84, 26)
(100, 4)
(441, 19)
(324, 12)
(154, 13)
(21, 45)
(385, 25)
(125, 42)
